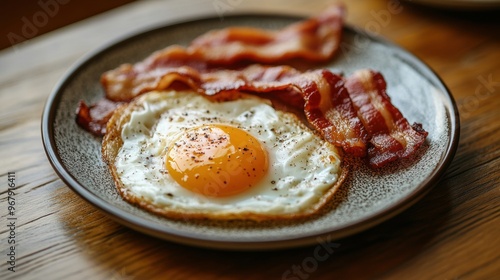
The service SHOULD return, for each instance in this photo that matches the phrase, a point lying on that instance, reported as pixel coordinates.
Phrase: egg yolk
(216, 160)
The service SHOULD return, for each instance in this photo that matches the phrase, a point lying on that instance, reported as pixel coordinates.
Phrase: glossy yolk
(216, 160)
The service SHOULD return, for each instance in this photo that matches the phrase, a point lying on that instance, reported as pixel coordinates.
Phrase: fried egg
(182, 155)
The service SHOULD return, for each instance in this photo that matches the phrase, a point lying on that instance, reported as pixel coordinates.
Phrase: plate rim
(174, 235)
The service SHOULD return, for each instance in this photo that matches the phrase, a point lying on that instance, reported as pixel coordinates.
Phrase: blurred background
(22, 20)
(25, 19)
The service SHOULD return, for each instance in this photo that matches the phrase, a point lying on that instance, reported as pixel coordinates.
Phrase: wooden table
(452, 233)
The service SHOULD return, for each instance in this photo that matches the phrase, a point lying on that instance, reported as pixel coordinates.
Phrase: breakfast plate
(366, 198)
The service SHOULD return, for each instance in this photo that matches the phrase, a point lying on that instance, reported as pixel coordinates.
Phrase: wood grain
(452, 233)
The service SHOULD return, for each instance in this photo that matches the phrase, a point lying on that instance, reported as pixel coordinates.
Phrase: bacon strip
(391, 136)
(325, 100)
(95, 117)
(357, 116)
(313, 40)
(329, 109)
(354, 113)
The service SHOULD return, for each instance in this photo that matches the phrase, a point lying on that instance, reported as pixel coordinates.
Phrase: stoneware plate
(364, 200)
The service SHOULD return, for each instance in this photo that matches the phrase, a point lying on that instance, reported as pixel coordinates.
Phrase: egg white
(302, 166)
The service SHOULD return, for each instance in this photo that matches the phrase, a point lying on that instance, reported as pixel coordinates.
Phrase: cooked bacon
(351, 116)
(127, 81)
(313, 40)
(94, 118)
(391, 136)
(354, 113)
(325, 100)
(329, 109)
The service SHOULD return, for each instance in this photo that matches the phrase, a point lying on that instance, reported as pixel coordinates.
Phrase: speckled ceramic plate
(365, 199)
